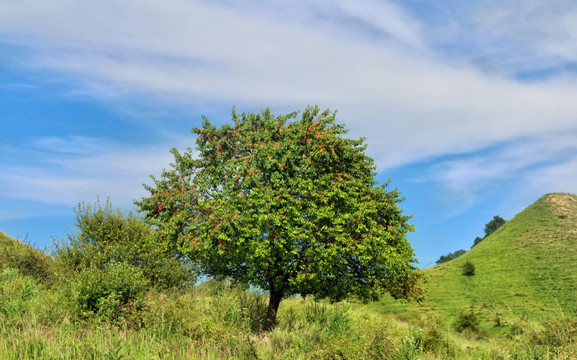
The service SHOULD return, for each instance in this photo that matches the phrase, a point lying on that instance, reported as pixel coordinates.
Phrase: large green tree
(287, 205)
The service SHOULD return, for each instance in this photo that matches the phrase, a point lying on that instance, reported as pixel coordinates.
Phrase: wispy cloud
(66, 171)
(513, 37)
(396, 86)
(531, 165)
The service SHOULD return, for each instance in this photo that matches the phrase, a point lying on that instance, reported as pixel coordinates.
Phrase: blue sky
(470, 107)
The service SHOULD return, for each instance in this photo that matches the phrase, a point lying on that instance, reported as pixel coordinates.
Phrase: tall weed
(18, 294)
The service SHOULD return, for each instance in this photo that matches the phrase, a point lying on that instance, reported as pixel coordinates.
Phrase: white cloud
(528, 34)
(62, 175)
(370, 60)
(386, 18)
(73, 145)
(536, 165)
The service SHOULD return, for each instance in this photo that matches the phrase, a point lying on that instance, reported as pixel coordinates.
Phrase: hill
(25, 258)
(527, 267)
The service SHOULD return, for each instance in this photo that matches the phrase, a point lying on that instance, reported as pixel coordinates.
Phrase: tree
(494, 225)
(476, 241)
(490, 228)
(289, 207)
(450, 256)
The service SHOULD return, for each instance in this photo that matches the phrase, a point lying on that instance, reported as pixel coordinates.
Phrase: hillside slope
(28, 260)
(527, 268)
(529, 265)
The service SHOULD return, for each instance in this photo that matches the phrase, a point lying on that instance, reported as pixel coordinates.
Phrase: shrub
(558, 332)
(113, 293)
(316, 312)
(468, 268)
(409, 349)
(339, 319)
(18, 294)
(435, 338)
(253, 306)
(467, 321)
(107, 236)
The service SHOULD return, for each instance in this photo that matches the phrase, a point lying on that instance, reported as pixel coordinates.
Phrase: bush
(113, 293)
(409, 349)
(18, 294)
(468, 268)
(111, 260)
(254, 307)
(558, 333)
(107, 236)
(468, 321)
(435, 338)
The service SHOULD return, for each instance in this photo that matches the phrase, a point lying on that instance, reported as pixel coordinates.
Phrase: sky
(469, 107)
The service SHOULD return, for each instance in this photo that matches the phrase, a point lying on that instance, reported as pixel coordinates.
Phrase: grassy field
(519, 304)
(527, 267)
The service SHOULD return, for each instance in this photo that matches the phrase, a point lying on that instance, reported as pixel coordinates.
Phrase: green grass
(526, 269)
(25, 258)
(519, 304)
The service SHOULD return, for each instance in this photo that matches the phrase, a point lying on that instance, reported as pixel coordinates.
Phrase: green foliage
(105, 237)
(528, 267)
(468, 268)
(490, 228)
(409, 349)
(468, 321)
(335, 320)
(212, 321)
(476, 241)
(557, 333)
(494, 225)
(532, 257)
(288, 207)
(113, 293)
(450, 256)
(18, 293)
(110, 261)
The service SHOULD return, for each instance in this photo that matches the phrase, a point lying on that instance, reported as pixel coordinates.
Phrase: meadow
(519, 304)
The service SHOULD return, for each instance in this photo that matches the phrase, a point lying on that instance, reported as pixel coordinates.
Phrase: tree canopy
(494, 225)
(450, 256)
(490, 228)
(289, 206)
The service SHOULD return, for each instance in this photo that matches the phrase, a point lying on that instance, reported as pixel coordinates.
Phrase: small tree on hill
(490, 228)
(450, 256)
(477, 241)
(494, 225)
(289, 207)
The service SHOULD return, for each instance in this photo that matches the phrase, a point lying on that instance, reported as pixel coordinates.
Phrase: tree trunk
(273, 303)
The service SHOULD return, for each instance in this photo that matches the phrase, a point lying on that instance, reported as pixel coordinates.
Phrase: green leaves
(288, 205)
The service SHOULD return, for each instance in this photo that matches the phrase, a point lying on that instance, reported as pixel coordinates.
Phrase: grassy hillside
(528, 267)
(28, 260)
(523, 294)
(10, 244)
